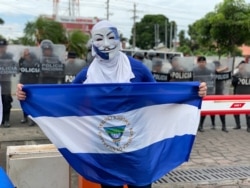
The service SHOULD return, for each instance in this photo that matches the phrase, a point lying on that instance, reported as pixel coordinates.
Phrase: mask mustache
(108, 49)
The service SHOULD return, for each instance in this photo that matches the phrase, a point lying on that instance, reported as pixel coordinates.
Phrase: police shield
(223, 71)
(182, 69)
(223, 68)
(241, 79)
(51, 62)
(72, 67)
(140, 55)
(29, 66)
(160, 70)
(205, 72)
(9, 67)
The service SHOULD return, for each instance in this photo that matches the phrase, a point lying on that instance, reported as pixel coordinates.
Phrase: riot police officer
(203, 73)
(51, 68)
(241, 84)
(140, 56)
(29, 68)
(89, 57)
(181, 70)
(219, 90)
(7, 65)
(73, 66)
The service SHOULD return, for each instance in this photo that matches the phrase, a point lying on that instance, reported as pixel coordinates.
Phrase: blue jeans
(129, 186)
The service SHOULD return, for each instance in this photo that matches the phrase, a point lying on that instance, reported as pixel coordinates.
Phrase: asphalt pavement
(214, 152)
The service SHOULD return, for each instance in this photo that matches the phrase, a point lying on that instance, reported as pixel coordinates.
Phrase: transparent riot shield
(160, 70)
(241, 80)
(148, 63)
(181, 69)
(9, 68)
(223, 71)
(29, 65)
(140, 56)
(52, 62)
(72, 67)
(205, 72)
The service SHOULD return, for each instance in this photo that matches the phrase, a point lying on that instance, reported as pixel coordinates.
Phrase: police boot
(248, 128)
(224, 128)
(6, 117)
(237, 127)
(31, 123)
(24, 120)
(237, 121)
(200, 129)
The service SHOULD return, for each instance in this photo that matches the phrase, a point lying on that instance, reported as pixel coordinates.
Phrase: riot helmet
(157, 65)
(151, 54)
(139, 56)
(47, 47)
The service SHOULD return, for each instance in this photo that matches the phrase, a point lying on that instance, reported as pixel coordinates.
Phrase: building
(79, 23)
(83, 24)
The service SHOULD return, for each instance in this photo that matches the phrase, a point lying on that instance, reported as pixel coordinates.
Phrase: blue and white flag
(118, 134)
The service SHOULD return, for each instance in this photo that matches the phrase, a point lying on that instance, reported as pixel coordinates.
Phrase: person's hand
(20, 94)
(202, 89)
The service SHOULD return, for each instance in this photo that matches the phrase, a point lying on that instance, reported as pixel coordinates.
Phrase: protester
(110, 65)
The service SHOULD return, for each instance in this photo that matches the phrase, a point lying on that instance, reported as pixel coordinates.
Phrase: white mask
(106, 40)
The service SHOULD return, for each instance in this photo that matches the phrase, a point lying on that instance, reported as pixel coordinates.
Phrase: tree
(44, 28)
(225, 28)
(146, 31)
(77, 41)
(1, 21)
(30, 32)
(184, 44)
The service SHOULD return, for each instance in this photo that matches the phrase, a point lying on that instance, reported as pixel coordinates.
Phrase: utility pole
(134, 28)
(175, 40)
(74, 9)
(107, 14)
(166, 33)
(171, 36)
(55, 8)
(156, 26)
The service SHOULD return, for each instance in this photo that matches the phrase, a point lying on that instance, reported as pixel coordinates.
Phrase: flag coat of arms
(115, 134)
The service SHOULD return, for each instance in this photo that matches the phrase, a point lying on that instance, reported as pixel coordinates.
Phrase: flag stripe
(140, 167)
(71, 132)
(96, 99)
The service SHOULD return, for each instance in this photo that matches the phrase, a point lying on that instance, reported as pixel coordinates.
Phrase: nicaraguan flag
(118, 134)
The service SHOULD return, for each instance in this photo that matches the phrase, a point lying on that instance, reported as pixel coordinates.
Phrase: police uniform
(241, 90)
(203, 74)
(29, 68)
(5, 81)
(219, 88)
(72, 67)
(47, 75)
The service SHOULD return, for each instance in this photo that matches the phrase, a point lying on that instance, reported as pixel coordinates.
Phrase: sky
(16, 13)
